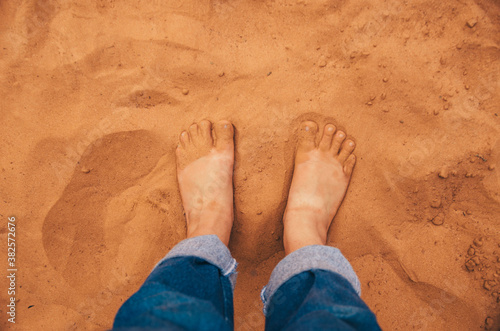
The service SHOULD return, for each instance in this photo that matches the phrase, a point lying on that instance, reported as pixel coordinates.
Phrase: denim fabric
(192, 289)
(318, 300)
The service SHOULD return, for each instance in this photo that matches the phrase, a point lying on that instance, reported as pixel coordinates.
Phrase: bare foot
(205, 172)
(320, 179)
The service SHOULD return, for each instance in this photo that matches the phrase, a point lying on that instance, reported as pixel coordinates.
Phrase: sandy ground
(93, 95)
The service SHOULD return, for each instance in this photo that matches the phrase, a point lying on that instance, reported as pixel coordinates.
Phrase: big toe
(307, 136)
(224, 133)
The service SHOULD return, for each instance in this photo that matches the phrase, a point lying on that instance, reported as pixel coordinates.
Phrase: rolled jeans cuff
(208, 248)
(308, 258)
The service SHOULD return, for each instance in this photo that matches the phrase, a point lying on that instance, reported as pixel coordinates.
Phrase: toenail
(351, 143)
(307, 128)
(341, 134)
(184, 134)
(225, 126)
(330, 129)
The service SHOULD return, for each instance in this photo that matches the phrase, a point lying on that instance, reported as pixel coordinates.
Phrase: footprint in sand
(121, 199)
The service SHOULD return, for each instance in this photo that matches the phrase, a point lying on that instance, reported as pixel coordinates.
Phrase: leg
(314, 286)
(192, 287)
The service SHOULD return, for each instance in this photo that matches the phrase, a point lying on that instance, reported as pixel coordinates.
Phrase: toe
(307, 136)
(224, 132)
(337, 141)
(184, 139)
(326, 140)
(193, 133)
(205, 131)
(349, 165)
(346, 150)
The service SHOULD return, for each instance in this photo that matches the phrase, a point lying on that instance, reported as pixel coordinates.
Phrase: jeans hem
(208, 248)
(308, 258)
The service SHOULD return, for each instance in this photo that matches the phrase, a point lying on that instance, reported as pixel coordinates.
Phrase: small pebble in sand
(471, 23)
(445, 107)
(372, 97)
(469, 175)
(467, 87)
(85, 170)
(442, 60)
(445, 98)
(436, 203)
(385, 110)
(383, 96)
(465, 72)
(322, 63)
(478, 242)
(221, 74)
(369, 103)
(444, 172)
(471, 251)
(488, 323)
(259, 213)
(491, 167)
(476, 260)
(385, 79)
(436, 112)
(468, 212)
(438, 220)
(470, 265)
(185, 91)
(489, 284)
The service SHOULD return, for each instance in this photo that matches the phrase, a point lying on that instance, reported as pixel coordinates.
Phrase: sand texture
(94, 94)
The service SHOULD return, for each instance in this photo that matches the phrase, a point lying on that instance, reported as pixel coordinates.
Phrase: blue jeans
(313, 288)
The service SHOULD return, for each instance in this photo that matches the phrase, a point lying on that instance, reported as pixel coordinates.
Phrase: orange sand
(94, 95)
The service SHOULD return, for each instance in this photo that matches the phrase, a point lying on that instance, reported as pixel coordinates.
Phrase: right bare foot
(320, 179)
(205, 174)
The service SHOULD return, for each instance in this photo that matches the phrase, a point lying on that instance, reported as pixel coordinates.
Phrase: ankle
(301, 231)
(205, 230)
(295, 243)
(210, 223)
(306, 222)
